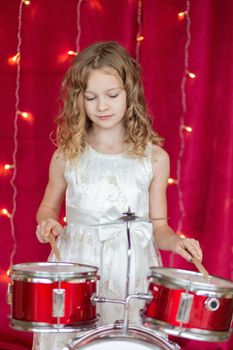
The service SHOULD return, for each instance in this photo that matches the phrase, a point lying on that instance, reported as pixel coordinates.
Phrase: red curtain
(48, 31)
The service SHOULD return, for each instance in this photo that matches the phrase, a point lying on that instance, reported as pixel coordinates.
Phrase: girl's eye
(89, 98)
(113, 96)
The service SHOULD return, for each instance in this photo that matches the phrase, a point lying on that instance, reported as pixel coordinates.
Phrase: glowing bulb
(27, 2)
(181, 234)
(25, 115)
(140, 38)
(8, 272)
(187, 128)
(64, 219)
(191, 75)
(6, 212)
(182, 14)
(72, 53)
(14, 59)
(9, 166)
(172, 181)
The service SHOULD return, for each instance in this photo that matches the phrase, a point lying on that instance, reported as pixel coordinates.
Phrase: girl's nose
(102, 104)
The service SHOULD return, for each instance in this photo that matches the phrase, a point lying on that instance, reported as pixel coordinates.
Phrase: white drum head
(117, 344)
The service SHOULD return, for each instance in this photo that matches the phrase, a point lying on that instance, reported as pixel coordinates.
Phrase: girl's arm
(165, 237)
(48, 211)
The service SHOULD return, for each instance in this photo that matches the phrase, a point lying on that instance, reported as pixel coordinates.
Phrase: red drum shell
(202, 323)
(32, 294)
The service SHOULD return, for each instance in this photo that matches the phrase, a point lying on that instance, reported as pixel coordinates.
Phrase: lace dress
(99, 189)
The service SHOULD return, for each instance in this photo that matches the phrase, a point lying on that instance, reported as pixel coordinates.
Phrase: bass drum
(112, 337)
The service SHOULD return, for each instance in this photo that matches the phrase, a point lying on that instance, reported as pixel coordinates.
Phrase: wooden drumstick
(54, 247)
(201, 268)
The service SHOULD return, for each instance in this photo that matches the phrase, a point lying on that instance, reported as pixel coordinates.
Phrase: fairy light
(27, 2)
(15, 141)
(5, 212)
(182, 14)
(191, 75)
(187, 128)
(79, 29)
(72, 53)
(139, 37)
(64, 219)
(9, 166)
(172, 181)
(181, 234)
(25, 115)
(13, 60)
(182, 123)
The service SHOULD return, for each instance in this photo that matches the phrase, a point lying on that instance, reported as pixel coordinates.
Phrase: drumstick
(201, 268)
(54, 247)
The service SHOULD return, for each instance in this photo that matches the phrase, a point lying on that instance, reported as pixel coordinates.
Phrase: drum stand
(127, 218)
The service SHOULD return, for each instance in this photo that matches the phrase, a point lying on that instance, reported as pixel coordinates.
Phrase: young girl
(108, 160)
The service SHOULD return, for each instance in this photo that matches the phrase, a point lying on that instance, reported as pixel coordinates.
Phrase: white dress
(99, 189)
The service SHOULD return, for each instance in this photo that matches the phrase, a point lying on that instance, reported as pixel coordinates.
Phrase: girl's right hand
(46, 227)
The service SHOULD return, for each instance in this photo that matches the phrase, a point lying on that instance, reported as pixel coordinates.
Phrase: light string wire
(182, 118)
(15, 140)
(79, 29)
(139, 31)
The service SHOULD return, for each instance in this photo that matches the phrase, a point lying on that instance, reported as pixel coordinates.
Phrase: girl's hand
(188, 248)
(46, 227)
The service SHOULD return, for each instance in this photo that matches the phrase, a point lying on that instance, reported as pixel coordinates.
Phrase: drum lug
(183, 313)
(58, 302)
(212, 304)
(9, 294)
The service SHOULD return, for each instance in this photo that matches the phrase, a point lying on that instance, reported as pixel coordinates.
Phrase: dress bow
(115, 251)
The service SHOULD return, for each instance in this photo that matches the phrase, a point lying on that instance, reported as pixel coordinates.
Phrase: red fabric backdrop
(49, 30)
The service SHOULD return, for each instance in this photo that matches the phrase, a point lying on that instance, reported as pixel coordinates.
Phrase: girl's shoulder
(158, 154)
(58, 160)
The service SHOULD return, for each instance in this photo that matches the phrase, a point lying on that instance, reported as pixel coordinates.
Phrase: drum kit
(62, 297)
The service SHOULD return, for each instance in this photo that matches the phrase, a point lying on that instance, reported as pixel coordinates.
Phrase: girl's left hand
(188, 248)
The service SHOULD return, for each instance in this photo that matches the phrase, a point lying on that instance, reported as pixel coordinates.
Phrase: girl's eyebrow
(108, 90)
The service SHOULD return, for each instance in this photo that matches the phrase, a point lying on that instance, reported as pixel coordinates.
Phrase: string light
(13, 60)
(15, 140)
(182, 14)
(187, 128)
(64, 219)
(72, 53)
(181, 234)
(27, 2)
(25, 115)
(5, 212)
(139, 37)
(79, 30)
(9, 166)
(184, 110)
(191, 75)
(172, 181)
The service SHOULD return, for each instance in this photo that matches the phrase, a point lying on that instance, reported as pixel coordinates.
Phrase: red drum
(51, 297)
(112, 337)
(185, 304)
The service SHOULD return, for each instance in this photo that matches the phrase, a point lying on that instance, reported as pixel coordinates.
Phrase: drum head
(171, 277)
(117, 344)
(110, 337)
(53, 270)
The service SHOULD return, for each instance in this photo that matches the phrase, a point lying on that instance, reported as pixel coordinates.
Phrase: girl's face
(105, 98)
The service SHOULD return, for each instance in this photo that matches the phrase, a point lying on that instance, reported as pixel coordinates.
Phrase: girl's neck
(107, 139)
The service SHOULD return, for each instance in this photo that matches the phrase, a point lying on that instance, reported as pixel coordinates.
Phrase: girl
(108, 159)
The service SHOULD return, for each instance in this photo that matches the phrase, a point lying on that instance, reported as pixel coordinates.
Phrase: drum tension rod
(142, 296)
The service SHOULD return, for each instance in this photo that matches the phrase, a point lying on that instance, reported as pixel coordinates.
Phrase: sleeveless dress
(100, 188)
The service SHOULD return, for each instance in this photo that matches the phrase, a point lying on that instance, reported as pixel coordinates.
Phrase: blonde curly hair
(73, 124)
